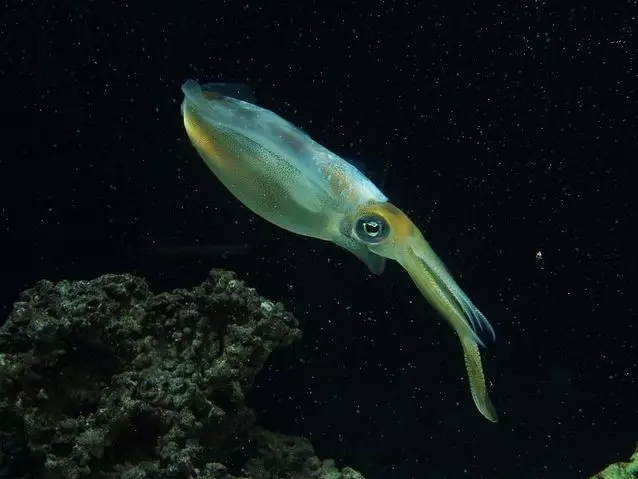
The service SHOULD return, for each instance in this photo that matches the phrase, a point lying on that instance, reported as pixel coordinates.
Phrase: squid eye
(371, 229)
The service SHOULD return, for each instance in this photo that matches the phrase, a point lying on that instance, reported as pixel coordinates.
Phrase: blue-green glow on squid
(287, 178)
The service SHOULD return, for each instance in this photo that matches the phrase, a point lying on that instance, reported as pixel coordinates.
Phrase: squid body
(287, 178)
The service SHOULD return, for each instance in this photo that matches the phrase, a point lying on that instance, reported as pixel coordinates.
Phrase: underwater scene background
(506, 131)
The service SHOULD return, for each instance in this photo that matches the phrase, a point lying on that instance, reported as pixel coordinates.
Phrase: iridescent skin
(287, 178)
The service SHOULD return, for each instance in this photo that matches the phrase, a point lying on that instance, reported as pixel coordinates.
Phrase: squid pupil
(372, 228)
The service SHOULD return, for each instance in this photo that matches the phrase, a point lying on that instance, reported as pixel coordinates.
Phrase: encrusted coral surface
(106, 379)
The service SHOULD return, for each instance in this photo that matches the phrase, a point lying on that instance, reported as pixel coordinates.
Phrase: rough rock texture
(621, 470)
(104, 379)
(277, 456)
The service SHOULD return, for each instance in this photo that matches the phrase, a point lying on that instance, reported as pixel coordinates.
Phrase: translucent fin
(239, 91)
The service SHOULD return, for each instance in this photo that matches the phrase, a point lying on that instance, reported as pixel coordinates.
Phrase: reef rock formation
(104, 379)
(621, 470)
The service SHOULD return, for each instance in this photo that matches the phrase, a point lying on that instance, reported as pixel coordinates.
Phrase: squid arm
(405, 244)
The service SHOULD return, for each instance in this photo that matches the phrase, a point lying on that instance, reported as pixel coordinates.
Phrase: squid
(281, 174)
